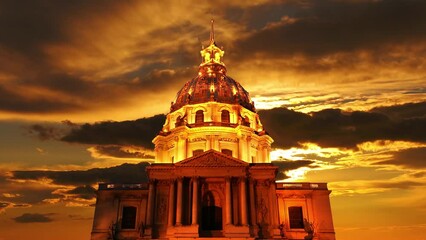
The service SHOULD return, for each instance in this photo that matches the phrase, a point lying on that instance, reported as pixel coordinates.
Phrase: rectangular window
(296, 217)
(128, 218)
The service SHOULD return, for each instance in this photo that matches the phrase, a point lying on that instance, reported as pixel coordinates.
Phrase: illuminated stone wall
(182, 135)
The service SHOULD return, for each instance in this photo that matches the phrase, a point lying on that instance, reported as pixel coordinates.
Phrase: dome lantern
(212, 54)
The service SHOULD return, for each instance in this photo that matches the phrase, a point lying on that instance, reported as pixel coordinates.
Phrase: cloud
(399, 184)
(405, 111)
(84, 192)
(409, 158)
(286, 165)
(335, 128)
(125, 173)
(118, 55)
(376, 186)
(121, 152)
(27, 194)
(34, 218)
(327, 27)
(16, 102)
(327, 128)
(139, 132)
(3, 206)
(71, 188)
(46, 132)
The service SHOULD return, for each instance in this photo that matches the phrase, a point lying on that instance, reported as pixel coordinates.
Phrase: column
(248, 149)
(150, 205)
(265, 154)
(195, 201)
(208, 143)
(176, 149)
(179, 202)
(268, 153)
(240, 148)
(243, 151)
(252, 208)
(274, 204)
(243, 201)
(182, 145)
(171, 202)
(215, 142)
(228, 201)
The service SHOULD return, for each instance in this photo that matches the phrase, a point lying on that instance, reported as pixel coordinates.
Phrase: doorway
(211, 215)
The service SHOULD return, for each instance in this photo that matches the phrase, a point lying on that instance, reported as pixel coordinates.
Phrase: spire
(212, 54)
(212, 33)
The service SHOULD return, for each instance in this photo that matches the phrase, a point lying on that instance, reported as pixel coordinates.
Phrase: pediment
(211, 158)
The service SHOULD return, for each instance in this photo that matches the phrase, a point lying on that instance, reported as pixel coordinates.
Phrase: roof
(211, 158)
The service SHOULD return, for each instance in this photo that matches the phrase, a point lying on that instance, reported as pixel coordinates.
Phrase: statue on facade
(282, 232)
(309, 229)
(113, 231)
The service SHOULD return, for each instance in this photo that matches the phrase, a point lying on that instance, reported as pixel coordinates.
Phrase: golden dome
(212, 84)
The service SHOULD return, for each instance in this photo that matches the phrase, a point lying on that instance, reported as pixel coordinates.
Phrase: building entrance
(211, 215)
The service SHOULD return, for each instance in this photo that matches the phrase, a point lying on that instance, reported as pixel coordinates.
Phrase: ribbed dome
(212, 84)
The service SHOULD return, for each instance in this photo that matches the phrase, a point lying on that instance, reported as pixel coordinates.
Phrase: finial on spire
(212, 32)
(212, 54)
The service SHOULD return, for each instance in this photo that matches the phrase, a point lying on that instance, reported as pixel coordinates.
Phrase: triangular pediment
(211, 158)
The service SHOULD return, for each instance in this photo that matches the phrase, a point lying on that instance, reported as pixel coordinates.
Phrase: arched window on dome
(199, 117)
(179, 121)
(246, 121)
(225, 116)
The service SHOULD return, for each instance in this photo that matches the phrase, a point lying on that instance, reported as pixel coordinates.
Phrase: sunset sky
(340, 85)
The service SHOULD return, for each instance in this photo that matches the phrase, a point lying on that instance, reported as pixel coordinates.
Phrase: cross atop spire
(212, 32)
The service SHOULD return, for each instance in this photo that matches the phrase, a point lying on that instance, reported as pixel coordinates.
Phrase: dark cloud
(85, 192)
(29, 34)
(125, 173)
(14, 102)
(326, 27)
(159, 80)
(410, 158)
(317, 156)
(30, 194)
(46, 131)
(406, 111)
(418, 174)
(28, 188)
(335, 128)
(328, 128)
(120, 152)
(4, 205)
(34, 218)
(28, 29)
(139, 132)
(286, 165)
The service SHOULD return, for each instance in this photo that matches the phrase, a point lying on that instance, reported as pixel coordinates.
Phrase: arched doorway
(211, 214)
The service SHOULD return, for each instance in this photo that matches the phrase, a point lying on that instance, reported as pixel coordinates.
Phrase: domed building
(212, 176)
